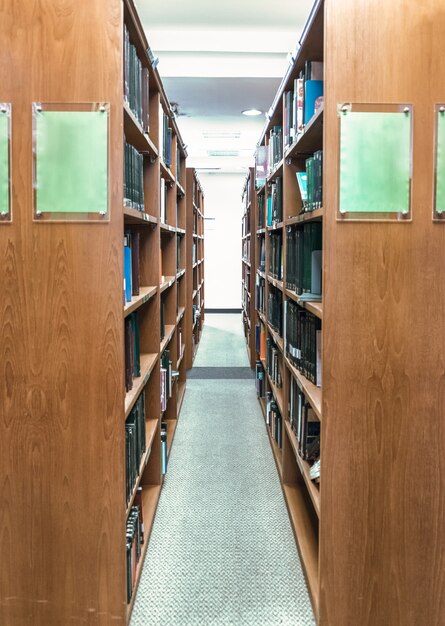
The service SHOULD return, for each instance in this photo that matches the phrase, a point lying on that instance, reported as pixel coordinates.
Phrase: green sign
(71, 155)
(440, 163)
(375, 159)
(4, 163)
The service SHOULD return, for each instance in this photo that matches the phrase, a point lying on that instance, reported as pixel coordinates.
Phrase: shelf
(133, 216)
(180, 274)
(309, 216)
(180, 315)
(180, 396)
(180, 189)
(166, 172)
(171, 429)
(201, 284)
(148, 361)
(261, 273)
(166, 228)
(313, 306)
(264, 364)
(151, 427)
(278, 394)
(260, 231)
(278, 169)
(262, 317)
(180, 231)
(306, 535)
(134, 134)
(277, 452)
(311, 391)
(310, 140)
(150, 498)
(278, 340)
(313, 490)
(245, 237)
(275, 282)
(275, 226)
(169, 330)
(166, 283)
(145, 294)
(178, 363)
(262, 402)
(246, 262)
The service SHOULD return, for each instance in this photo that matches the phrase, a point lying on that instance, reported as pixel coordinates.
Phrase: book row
(133, 178)
(136, 83)
(134, 541)
(304, 258)
(135, 444)
(303, 341)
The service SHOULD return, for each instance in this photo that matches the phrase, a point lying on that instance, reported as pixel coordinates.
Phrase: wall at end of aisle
(222, 231)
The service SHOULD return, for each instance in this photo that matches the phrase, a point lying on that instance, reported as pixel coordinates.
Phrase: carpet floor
(222, 551)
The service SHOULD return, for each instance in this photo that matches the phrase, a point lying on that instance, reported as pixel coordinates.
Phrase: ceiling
(218, 59)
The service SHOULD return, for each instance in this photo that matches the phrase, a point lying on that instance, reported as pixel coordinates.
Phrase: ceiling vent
(223, 153)
(221, 134)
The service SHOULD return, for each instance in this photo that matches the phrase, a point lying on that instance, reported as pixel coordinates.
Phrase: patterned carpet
(222, 551)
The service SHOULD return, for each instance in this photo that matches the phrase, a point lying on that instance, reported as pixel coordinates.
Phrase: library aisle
(222, 550)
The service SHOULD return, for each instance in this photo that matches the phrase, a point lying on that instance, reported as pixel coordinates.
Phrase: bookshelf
(84, 361)
(364, 530)
(248, 235)
(194, 315)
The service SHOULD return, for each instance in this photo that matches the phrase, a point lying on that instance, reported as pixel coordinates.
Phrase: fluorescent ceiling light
(251, 112)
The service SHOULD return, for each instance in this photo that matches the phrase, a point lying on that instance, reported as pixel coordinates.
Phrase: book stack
(260, 293)
(131, 265)
(165, 138)
(133, 178)
(134, 444)
(274, 365)
(260, 379)
(304, 258)
(276, 254)
(275, 147)
(166, 379)
(314, 182)
(261, 201)
(303, 341)
(132, 351)
(136, 83)
(274, 419)
(305, 424)
(275, 202)
(275, 310)
(262, 263)
(134, 535)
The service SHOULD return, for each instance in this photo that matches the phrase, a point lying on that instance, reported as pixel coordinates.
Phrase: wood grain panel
(383, 527)
(61, 342)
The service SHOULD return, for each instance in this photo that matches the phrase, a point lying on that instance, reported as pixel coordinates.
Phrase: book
(128, 272)
(313, 89)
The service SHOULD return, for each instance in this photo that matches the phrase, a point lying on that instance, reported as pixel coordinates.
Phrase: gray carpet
(237, 373)
(222, 552)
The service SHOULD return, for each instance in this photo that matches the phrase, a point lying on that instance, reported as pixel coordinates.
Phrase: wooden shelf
(275, 226)
(150, 499)
(169, 330)
(180, 231)
(171, 429)
(180, 190)
(306, 536)
(262, 402)
(262, 317)
(151, 427)
(278, 394)
(133, 216)
(277, 452)
(313, 306)
(166, 283)
(180, 274)
(135, 135)
(276, 337)
(167, 229)
(309, 216)
(145, 294)
(181, 356)
(310, 140)
(277, 171)
(275, 282)
(246, 262)
(166, 172)
(313, 490)
(261, 273)
(180, 396)
(148, 361)
(311, 391)
(180, 315)
(261, 231)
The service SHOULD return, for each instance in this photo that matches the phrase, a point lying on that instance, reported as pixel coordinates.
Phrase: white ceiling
(217, 59)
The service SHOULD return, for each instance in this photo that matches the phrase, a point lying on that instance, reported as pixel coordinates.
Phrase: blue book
(269, 210)
(312, 90)
(127, 269)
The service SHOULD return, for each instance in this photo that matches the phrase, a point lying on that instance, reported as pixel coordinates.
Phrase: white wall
(222, 250)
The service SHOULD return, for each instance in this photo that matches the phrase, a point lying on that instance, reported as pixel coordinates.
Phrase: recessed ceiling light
(251, 112)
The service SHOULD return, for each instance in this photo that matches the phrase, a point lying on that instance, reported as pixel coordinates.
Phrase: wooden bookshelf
(194, 314)
(248, 263)
(65, 323)
(376, 512)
